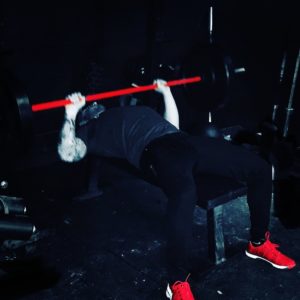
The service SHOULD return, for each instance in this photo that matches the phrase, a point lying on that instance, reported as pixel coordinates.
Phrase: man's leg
(172, 160)
(217, 156)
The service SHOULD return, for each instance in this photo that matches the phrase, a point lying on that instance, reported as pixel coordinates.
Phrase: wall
(56, 48)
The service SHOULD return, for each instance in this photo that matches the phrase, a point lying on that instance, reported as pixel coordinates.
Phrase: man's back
(124, 132)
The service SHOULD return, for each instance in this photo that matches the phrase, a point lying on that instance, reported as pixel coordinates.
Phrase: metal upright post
(211, 24)
(211, 12)
(281, 75)
(289, 108)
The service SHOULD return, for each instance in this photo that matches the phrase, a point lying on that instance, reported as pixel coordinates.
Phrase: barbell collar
(239, 70)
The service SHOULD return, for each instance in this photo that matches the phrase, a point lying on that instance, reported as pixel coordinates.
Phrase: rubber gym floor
(111, 246)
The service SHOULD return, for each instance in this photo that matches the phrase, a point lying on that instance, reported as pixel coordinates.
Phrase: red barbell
(110, 94)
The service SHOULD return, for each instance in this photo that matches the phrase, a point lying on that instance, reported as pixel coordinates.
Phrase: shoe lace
(187, 277)
(182, 288)
(181, 282)
(271, 248)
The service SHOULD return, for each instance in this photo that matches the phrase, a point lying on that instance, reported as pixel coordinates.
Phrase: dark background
(59, 47)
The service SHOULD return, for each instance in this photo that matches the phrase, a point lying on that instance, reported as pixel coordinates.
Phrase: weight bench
(213, 192)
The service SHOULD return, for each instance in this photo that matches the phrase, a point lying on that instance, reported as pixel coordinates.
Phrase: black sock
(178, 277)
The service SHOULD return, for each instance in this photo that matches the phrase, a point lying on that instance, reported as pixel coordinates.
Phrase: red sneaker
(180, 291)
(268, 252)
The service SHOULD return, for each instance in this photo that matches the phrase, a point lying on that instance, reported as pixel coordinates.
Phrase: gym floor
(110, 247)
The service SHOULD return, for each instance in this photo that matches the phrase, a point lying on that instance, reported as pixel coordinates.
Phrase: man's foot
(268, 252)
(180, 291)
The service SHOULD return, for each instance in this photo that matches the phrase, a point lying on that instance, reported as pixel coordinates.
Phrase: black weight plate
(16, 114)
(213, 66)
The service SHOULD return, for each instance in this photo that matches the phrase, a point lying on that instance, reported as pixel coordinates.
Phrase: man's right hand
(77, 102)
(161, 86)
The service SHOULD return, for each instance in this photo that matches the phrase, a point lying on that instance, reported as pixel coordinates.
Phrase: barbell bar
(104, 95)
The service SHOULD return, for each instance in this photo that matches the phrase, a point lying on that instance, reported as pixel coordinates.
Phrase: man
(157, 146)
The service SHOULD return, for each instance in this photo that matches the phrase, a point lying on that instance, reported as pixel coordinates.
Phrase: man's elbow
(175, 122)
(66, 154)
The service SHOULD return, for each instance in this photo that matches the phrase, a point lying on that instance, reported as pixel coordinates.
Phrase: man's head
(90, 112)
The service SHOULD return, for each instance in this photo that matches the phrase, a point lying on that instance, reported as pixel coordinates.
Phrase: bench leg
(216, 249)
(92, 191)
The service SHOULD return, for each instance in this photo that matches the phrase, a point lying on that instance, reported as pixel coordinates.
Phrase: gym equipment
(217, 72)
(14, 223)
(290, 109)
(12, 205)
(16, 228)
(3, 184)
(12, 88)
(15, 109)
(214, 76)
(111, 94)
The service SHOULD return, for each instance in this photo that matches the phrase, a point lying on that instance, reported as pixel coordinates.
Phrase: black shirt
(124, 132)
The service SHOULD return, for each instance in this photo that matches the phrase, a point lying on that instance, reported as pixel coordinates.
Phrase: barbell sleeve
(63, 102)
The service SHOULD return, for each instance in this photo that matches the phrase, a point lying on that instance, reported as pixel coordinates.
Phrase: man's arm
(71, 148)
(171, 112)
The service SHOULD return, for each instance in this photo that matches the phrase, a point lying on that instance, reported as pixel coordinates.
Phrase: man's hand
(161, 86)
(78, 101)
(171, 111)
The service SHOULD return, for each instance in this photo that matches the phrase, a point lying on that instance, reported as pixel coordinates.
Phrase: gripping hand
(77, 102)
(161, 86)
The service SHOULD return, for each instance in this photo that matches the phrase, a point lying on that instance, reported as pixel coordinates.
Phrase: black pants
(176, 158)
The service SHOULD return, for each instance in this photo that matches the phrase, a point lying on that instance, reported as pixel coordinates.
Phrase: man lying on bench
(157, 146)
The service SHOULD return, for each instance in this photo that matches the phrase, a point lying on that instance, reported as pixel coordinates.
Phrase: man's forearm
(70, 148)
(171, 112)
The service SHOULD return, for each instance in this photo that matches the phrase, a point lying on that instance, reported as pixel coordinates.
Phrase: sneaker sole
(169, 293)
(274, 265)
